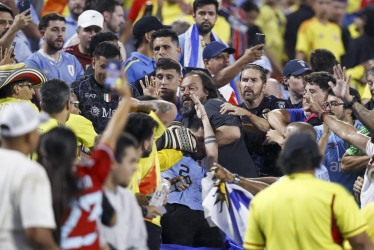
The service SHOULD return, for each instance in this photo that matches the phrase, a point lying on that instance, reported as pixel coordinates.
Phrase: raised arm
(165, 111)
(228, 74)
(118, 121)
(211, 146)
(279, 119)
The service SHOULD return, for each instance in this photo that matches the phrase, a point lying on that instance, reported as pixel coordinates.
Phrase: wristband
(322, 116)
(350, 104)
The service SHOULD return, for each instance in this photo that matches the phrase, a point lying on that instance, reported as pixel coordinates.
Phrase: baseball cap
(215, 48)
(147, 24)
(15, 72)
(19, 118)
(295, 67)
(90, 18)
(298, 141)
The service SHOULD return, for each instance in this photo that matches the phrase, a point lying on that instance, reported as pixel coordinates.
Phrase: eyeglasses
(332, 105)
(75, 103)
(25, 85)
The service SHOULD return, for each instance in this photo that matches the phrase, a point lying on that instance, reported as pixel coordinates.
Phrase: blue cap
(295, 67)
(215, 48)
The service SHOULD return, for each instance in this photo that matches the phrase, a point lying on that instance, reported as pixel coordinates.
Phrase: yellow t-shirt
(47, 126)
(171, 12)
(358, 72)
(314, 35)
(168, 158)
(273, 25)
(148, 175)
(4, 102)
(296, 213)
(83, 130)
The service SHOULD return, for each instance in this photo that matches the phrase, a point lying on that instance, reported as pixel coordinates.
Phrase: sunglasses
(25, 85)
(75, 103)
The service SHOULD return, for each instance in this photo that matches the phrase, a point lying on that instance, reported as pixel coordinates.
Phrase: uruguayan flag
(226, 206)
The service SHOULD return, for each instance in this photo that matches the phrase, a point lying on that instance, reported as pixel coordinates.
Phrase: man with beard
(200, 34)
(253, 112)
(75, 9)
(50, 59)
(233, 153)
(90, 23)
(185, 206)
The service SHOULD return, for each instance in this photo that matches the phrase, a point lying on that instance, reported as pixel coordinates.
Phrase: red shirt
(80, 230)
(85, 60)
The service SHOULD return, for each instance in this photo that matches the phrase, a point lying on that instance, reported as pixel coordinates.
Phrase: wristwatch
(350, 104)
(236, 179)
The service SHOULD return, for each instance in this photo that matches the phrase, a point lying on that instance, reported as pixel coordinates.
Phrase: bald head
(298, 127)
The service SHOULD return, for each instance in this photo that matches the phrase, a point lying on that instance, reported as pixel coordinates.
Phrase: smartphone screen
(113, 74)
(259, 39)
(23, 5)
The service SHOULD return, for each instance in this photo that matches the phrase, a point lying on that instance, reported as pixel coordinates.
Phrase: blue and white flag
(226, 206)
(193, 50)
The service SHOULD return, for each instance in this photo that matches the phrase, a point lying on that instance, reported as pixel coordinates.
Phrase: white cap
(265, 63)
(90, 18)
(19, 118)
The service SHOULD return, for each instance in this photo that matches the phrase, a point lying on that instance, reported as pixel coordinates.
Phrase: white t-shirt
(25, 199)
(367, 191)
(129, 232)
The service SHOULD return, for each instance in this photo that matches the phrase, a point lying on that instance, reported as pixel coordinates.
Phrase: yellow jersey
(4, 102)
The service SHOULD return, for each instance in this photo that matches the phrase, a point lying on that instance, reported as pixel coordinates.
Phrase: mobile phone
(14, 44)
(113, 74)
(23, 5)
(259, 39)
(174, 186)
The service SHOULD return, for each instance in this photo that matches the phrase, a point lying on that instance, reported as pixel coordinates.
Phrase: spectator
(75, 9)
(18, 83)
(294, 20)
(205, 16)
(370, 81)
(319, 33)
(251, 10)
(90, 23)
(293, 80)
(141, 61)
(27, 213)
(232, 152)
(97, 103)
(299, 159)
(129, 230)
(50, 59)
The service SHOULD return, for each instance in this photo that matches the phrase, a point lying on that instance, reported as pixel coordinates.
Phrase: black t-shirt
(96, 103)
(264, 156)
(234, 156)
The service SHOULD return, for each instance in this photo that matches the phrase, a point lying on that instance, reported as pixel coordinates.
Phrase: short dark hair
(167, 63)
(107, 5)
(101, 37)
(7, 90)
(207, 81)
(248, 6)
(124, 141)
(200, 3)
(141, 126)
(299, 160)
(322, 60)
(166, 33)
(255, 67)
(54, 94)
(44, 22)
(321, 79)
(4, 8)
(107, 50)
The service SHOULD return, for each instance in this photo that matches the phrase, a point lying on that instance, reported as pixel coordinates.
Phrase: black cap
(147, 24)
(298, 141)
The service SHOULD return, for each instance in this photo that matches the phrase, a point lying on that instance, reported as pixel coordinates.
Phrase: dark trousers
(184, 226)
(154, 236)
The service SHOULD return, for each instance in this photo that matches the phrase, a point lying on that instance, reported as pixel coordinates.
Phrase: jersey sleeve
(217, 119)
(254, 239)
(296, 115)
(100, 162)
(30, 62)
(168, 158)
(348, 217)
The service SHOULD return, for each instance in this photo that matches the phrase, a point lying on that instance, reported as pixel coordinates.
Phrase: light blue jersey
(191, 196)
(67, 68)
(137, 66)
(332, 160)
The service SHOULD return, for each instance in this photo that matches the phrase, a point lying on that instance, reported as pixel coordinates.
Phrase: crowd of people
(287, 120)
